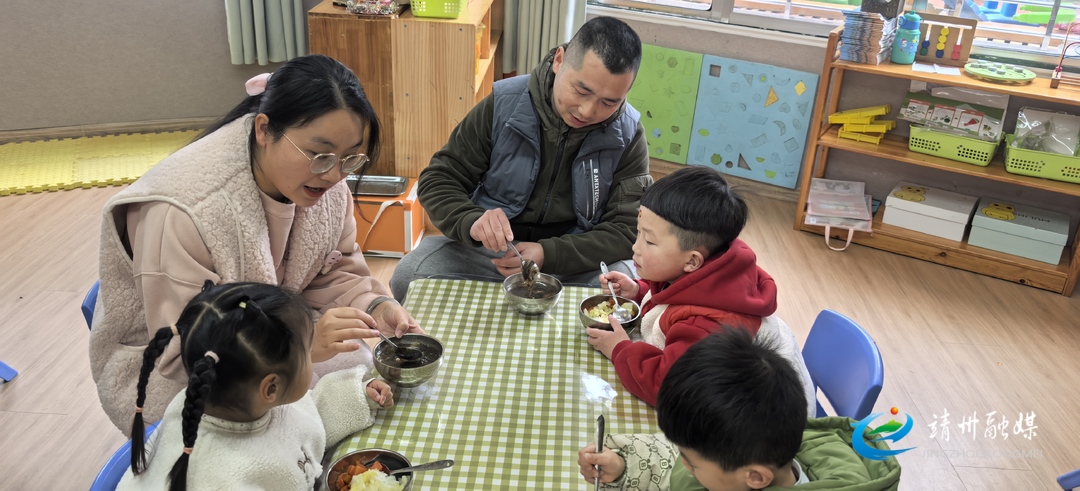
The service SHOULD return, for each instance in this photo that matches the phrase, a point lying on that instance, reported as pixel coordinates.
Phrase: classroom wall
(859, 90)
(113, 61)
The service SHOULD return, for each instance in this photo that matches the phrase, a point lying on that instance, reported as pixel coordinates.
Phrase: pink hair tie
(187, 450)
(175, 331)
(213, 355)
(257, 85)
(138, 409)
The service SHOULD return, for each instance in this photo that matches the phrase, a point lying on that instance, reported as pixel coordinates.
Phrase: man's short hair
(701, 207)
(614, 42)
(735, 401)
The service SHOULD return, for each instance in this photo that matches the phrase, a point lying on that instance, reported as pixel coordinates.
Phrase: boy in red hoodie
(697, 276)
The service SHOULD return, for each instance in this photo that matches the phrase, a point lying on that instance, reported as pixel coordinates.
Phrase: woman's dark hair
(302, 90)
(735, 401)
(231, 336)
(701, 207)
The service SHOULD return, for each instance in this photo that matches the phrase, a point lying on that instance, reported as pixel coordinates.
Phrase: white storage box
(928, 210)
(1020, 230)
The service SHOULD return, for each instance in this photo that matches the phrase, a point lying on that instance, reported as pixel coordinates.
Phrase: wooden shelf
(1061, 277)
(1037, 89)
(896, 148)
(482, 73)
(960, 255)
(496, 36)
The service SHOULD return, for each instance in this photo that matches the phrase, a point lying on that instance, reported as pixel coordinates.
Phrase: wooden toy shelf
(1060, 278)
(421, 74)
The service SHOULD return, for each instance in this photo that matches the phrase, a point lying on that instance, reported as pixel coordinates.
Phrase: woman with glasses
(259, 197)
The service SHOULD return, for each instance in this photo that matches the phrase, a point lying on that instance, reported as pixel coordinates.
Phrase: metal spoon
(430, 466)
(621, 314)
(406, 353)
(599, 445)
(529, 270)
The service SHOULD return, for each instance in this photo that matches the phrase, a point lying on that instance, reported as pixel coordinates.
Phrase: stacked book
(867, 37)
(840, 205)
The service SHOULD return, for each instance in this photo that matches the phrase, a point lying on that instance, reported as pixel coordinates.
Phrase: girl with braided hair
(247, 350)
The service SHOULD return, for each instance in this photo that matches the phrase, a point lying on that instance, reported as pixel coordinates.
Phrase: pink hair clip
(257, 85)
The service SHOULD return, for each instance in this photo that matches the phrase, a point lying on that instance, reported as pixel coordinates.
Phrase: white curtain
(265, 31)
(534, 27)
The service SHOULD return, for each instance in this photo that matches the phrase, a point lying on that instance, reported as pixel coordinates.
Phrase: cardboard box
(928, 210)
(1019, 230)
(389, 226)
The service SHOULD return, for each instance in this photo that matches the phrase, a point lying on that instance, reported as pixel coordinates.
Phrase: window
(1026, 31)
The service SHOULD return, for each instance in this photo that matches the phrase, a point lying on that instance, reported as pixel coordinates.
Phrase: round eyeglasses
(323, 162)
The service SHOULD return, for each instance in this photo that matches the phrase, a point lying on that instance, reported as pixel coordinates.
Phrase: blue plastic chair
(118, 464)
(88, 304)
(7, 373)
(1070, 480)
(844, 362)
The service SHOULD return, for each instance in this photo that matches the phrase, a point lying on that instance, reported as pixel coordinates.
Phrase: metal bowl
(409, 373)
(546, 292)
(391, 459)
(595, 300)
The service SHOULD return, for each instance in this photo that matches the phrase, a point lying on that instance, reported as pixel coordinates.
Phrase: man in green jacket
(733, 411)
(555, 162)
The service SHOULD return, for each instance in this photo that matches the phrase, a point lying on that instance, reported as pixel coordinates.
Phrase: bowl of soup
(409, 371)
(532, 298)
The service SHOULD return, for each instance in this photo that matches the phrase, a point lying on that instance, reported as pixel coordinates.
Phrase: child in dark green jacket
(733, 410)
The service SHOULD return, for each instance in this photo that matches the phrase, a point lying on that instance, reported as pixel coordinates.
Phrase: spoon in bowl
(406, 353)
(529, 270)
(430, 466)
(620, 314)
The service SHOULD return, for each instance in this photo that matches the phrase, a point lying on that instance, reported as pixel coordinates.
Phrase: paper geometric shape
(772, 98)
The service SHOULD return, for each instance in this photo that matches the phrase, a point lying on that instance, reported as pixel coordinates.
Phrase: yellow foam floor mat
(98, 161)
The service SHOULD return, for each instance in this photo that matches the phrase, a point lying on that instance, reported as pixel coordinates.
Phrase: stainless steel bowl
(547, 288)
(595, 300)
(409, 373)
(391, 459)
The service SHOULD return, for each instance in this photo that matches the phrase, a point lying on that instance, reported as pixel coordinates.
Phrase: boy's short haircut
(701, 207)
(614, 42)
(735, 401)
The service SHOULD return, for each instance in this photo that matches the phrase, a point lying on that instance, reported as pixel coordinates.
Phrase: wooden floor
(952, 341)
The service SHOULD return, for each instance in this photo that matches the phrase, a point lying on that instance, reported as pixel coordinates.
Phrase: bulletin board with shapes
(752, 119)
(665, 93)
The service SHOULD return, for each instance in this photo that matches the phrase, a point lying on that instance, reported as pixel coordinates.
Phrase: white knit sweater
(280, 451)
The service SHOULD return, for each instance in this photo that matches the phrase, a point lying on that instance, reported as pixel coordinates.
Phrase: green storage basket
(952, 147)
(1041, 164)
(443, 9)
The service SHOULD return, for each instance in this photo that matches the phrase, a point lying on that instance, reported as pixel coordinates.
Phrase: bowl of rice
(352, 473)
(594, 312)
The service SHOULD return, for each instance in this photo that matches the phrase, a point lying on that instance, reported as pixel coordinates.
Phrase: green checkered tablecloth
(512, 401)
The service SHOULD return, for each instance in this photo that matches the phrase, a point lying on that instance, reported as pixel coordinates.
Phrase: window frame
(724, 13)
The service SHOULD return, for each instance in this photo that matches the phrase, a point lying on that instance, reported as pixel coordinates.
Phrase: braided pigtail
(138, 427)
(200, 381)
